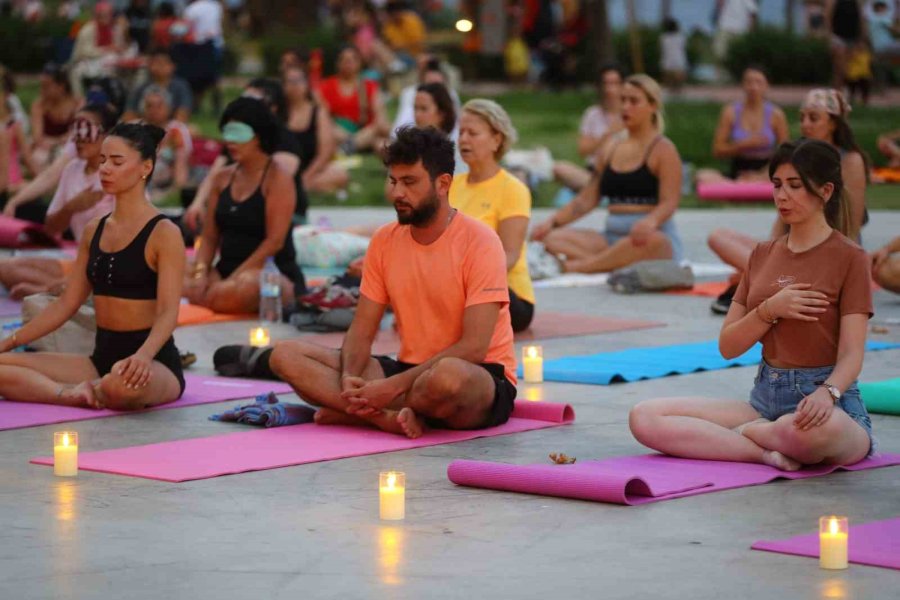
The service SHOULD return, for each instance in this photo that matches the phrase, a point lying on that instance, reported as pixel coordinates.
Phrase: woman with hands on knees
(640, 173)
(807, 297)
(132, 259)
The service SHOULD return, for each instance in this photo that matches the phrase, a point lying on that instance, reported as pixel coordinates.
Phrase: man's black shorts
(504, 390)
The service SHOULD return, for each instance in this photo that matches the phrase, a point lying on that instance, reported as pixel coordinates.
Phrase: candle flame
(65, 439)
(464, 26)
(833, 526)
(532, 352)
(197, 244)
(391, 480)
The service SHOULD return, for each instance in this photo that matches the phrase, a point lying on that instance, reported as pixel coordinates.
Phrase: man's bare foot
(410, 423)
(329, 416)
(776, 459)
(82, 395)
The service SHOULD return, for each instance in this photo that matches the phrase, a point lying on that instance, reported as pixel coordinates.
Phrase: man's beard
(421, 215)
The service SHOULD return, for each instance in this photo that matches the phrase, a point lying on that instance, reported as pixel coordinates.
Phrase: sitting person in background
(886, 266)
(15, 152)
(312, 128)
(640, 174)
(444, 275)
(98, 45)
(495, 197)
(356, 105)
(248, 218)
(404, 31)
(430, 71)
(78, 200)
(172, 164)
(748, 132)
(599, 124)
(52, 114)
(807, 297)
(161, 69)
(889, 146)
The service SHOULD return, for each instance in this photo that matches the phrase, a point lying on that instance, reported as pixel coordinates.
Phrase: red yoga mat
(261, 449)
(633, 480)
(876, 544)
(16, 233)
(198, 390)
(546, 325)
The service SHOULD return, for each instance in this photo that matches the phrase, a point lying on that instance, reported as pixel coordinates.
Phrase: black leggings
(521, 312)
(112, 346)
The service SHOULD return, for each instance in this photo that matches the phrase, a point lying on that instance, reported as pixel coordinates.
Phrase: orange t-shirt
(837, 267)
(430, 287)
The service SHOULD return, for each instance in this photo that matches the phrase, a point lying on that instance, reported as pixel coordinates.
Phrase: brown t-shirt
(837, 267)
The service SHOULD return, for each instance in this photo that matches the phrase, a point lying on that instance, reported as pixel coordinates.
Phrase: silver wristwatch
(835, 393)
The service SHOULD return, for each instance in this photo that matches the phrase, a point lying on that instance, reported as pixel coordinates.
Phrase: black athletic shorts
(504, 391)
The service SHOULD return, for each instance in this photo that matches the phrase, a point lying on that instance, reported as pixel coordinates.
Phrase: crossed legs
(588, 251)
(457, 392)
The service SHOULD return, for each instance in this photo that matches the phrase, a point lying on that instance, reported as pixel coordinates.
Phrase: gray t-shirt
(178, 89)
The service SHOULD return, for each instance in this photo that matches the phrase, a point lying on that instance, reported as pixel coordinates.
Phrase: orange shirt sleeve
(373, 286)
(485, 270)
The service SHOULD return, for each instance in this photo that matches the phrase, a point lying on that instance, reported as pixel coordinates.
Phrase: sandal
(242, 361)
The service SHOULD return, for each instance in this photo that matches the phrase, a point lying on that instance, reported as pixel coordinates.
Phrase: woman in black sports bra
(640, 174)
(133, 261)
(248, 218)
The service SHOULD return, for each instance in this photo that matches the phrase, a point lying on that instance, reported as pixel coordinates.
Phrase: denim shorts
(777, 392)
(618, 226)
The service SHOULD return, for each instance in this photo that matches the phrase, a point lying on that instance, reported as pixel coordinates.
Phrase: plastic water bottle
(270, 293)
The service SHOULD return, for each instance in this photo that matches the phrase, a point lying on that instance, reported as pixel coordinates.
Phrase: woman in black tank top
(311, 126)
(248, 218)
(640, 174)
(133, 261)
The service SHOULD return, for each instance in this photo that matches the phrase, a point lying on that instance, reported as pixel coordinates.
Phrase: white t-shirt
(72, 182)
(736, 15)
(673, 51)
(594, 123)
(205, 17)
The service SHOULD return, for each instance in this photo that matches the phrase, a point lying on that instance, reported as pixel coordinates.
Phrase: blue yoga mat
(634, 364)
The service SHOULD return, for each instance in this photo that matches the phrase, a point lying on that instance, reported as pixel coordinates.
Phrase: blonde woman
(492, 195)
(639, 171)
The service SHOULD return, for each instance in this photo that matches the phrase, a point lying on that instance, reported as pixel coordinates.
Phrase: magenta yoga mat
(257, 450)
(198, 390)
(632, 480)
(876, 544)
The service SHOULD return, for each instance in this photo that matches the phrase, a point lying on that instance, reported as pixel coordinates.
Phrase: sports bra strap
(650, 148)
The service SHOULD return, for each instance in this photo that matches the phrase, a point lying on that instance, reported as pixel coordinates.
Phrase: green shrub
(26, 47)
(788, 58)
(649, 37)
(276, 41)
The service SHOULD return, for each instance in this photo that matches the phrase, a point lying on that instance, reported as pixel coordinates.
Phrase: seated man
(886, 266)
(161, 68)
(444, 274)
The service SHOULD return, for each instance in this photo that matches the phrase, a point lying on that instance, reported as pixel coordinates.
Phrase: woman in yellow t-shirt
(492, 195)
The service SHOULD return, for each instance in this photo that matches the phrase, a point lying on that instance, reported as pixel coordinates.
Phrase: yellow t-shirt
(500, 197)
(406, 36)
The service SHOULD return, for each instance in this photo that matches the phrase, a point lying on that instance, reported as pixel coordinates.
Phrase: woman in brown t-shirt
(807, 297)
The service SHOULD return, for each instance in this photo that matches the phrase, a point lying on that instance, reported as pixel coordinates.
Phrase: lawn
(551, 120)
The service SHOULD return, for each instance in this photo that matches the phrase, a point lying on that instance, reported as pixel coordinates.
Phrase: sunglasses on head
(85, 130)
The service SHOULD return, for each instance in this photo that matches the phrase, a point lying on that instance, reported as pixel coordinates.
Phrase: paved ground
(312, 531)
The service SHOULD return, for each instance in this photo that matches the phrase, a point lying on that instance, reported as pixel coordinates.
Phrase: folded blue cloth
(269, 412)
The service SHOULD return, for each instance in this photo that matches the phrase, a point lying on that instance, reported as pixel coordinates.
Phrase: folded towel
(268, 412)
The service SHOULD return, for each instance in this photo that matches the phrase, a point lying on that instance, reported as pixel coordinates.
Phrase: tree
(301, 16)
(601, 33)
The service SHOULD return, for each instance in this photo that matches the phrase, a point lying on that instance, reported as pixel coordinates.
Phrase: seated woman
(172, 164)
(748, 132)
(52, 114)
(823, 116)
(640, 174)
(79, 199)
(495, 197)
(14, 149)
(807, 297)
(886, 266)
(311, 126)
(248, 219)
(599, 123)
(889, 146)
(132, 260)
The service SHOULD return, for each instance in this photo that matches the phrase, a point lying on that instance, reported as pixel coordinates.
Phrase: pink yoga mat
(736, 191)
(876, 544)
(633, 480)
(261, 449)
(16, 233)
(199, 390)
(546, 325)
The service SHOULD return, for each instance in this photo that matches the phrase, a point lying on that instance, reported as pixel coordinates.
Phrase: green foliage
(276, 41)
(788, 58)
(649, 44)
(26, 47)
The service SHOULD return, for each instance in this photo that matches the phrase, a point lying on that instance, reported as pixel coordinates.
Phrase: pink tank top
(15, 168)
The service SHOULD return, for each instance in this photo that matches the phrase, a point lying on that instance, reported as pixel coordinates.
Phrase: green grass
(551, 120)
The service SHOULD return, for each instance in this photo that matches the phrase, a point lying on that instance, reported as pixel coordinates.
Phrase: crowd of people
(454, 267)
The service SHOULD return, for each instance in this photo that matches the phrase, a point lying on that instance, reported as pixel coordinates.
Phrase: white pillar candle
(65, 453)
(833, 536)
(392, 495)
(533, 364)
(259, 337)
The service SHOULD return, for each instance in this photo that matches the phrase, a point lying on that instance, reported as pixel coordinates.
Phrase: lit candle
(464, 26)
(833, 534)
(198, 243)
(533, 364)
(392, 495)
(259, 337)
(65, 453)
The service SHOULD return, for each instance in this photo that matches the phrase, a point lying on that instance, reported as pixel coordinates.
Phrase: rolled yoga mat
(876, 544)
(16, 233)
(651, 363)
(736, 191)
(633, 480)
(187, 460)
(882, 397)
(198, 390)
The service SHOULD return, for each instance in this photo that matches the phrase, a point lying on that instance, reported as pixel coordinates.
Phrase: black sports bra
(639, 187)
(123, 274)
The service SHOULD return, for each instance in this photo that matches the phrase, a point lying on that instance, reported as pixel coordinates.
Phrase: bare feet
(410, 424)
(776, 459)
(82, 395)
(329, 416)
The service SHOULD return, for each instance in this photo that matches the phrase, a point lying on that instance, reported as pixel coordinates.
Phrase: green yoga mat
(882, 397)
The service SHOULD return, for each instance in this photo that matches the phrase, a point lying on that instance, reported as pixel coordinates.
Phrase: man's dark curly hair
(428, 145)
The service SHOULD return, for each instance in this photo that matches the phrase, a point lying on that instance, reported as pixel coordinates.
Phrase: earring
(144, 177)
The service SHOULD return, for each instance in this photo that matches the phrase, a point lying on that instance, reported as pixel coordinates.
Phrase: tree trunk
(634, 38)
(665, 9)
(789, 6)
(600, 32)
(301, 16)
